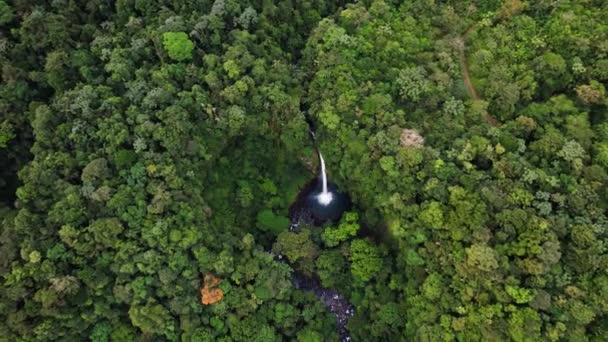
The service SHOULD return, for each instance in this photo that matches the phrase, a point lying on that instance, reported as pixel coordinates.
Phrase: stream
(331, 299)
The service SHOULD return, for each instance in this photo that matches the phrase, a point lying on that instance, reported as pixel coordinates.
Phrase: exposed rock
(411, 138)
(331, 299)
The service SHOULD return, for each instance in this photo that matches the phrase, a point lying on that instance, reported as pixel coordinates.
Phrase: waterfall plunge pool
(314, 206)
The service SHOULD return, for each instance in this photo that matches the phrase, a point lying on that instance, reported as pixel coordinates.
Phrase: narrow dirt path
(466, 75)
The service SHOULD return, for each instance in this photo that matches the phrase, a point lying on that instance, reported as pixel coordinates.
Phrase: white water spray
(325, 197)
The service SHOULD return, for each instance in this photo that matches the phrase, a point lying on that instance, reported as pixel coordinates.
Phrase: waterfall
(325, 197)
(315, 204)
(324, 175)
(313, 134)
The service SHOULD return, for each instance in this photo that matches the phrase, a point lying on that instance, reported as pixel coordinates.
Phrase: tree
(105, 231)
(6, 13)
(6, 133)
(348, 228)
(432, 286)
(210, 294)
(524, 325)
(178, 46)
(295, 246)
(365, 260)
(96, 169)
(593, 93)
(150, 318)
(481, 258)
(267, 221)
(132, 166)
(330, 266)
(432, 215)
(413, 83)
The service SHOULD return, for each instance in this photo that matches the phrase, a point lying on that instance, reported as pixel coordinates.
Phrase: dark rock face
(309, 209)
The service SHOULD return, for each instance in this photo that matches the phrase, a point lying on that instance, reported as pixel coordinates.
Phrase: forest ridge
(150, 152)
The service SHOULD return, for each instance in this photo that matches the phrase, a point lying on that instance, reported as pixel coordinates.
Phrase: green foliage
(6, 133)
(101, 332)
(6, 13)
(310, 336)
(144, 175)
(520, 295)
(431, 288)
(482, 258)
(472, 138)
(150, 318)
(524, 325)
(330, 266)
(347, 228)
(295, 246)
(413, 83)
(96, 169)
(412, 258)
(105, 231)
(267, 221)
(432, 215)
(366, 260)
(178, 46)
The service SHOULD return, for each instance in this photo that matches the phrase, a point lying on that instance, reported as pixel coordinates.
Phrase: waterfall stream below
(318, 202)
(331, 299)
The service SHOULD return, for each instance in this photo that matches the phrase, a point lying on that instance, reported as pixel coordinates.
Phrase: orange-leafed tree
(210, 293)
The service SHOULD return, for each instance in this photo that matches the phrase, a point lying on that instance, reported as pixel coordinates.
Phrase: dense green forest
(150, 152)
